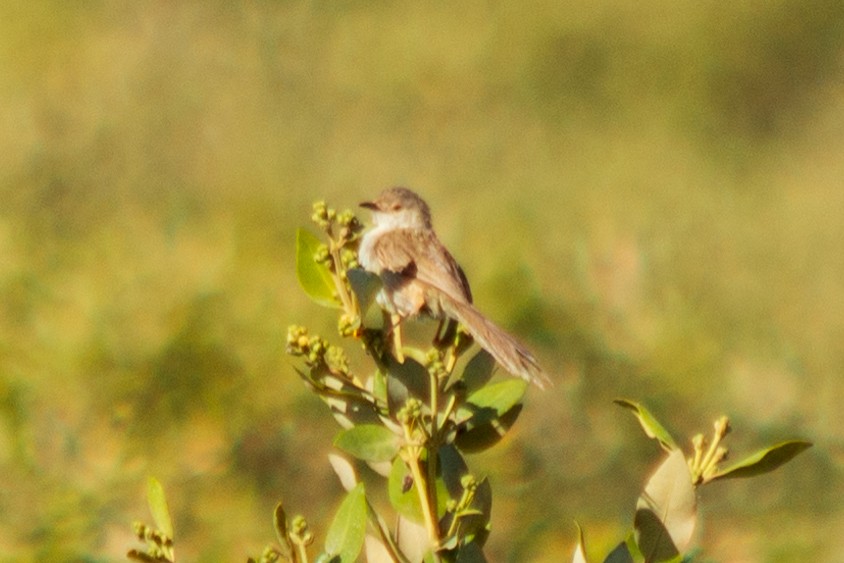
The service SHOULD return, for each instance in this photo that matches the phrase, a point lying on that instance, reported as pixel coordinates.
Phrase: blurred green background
(650, 194)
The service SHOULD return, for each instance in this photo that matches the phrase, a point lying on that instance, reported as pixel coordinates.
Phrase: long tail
(506, 350)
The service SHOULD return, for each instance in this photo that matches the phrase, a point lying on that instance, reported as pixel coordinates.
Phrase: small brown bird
(420, 276)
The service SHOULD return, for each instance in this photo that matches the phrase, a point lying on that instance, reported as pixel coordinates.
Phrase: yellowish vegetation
(649, 194)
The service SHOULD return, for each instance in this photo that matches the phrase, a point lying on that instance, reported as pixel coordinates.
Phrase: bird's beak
(369, 205)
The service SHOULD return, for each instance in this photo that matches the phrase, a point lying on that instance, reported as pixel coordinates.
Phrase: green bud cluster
(410, 412)
(318, 348)
(435, 362)
(299, 343)
(348, 219)
(323, 215)
(152, 535)
(469, 482)
(299, 531)
(323, 255)
(707, 456)
(348, 325)
(269, 555)
(350, 226)
(349, 258)
(470, 487)
(159, 546)
(327, 219)
(297, 340)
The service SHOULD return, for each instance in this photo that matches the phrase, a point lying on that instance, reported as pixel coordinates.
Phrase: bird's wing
(419, 254)
(391, 254)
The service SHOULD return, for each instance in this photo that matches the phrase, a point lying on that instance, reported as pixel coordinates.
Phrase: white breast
(366, 251)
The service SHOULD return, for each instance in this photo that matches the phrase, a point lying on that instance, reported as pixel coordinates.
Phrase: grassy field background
(650, 194)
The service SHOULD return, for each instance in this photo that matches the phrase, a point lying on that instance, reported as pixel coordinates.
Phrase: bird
(419, 276)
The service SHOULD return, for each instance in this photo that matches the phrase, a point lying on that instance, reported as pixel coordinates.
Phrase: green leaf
(280, 522)
(489, 413)
(344, 469)
(346, 534)
(474, 520)
(478, 370)
(368, 442)
(580, 549)
(385, 538)
(621, 554)
(483, 433)
(451, 469)
(402, 492)
(650, 424)
(494, 400)
(280, 525)
(626, 552)
(316, 279)
(379, 386)
(666, 512)
(413, 541)
(366, 286)
(764, 461)
(376, 550)
(158, 507)
(470, 552)
(405, 380)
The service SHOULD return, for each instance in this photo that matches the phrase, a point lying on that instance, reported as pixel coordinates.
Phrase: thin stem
(433, 445)
(302, 553)
(707, 459)
(449, 408)
(425, 484)
(422, 486)
(455, 523)
(348, 302)
(435, 399)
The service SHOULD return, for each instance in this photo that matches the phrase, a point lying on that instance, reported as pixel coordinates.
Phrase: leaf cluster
(158, 540)
(412, 418)
(666, 511)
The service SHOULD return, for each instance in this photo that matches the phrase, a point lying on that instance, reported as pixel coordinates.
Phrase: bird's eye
(396, 206)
